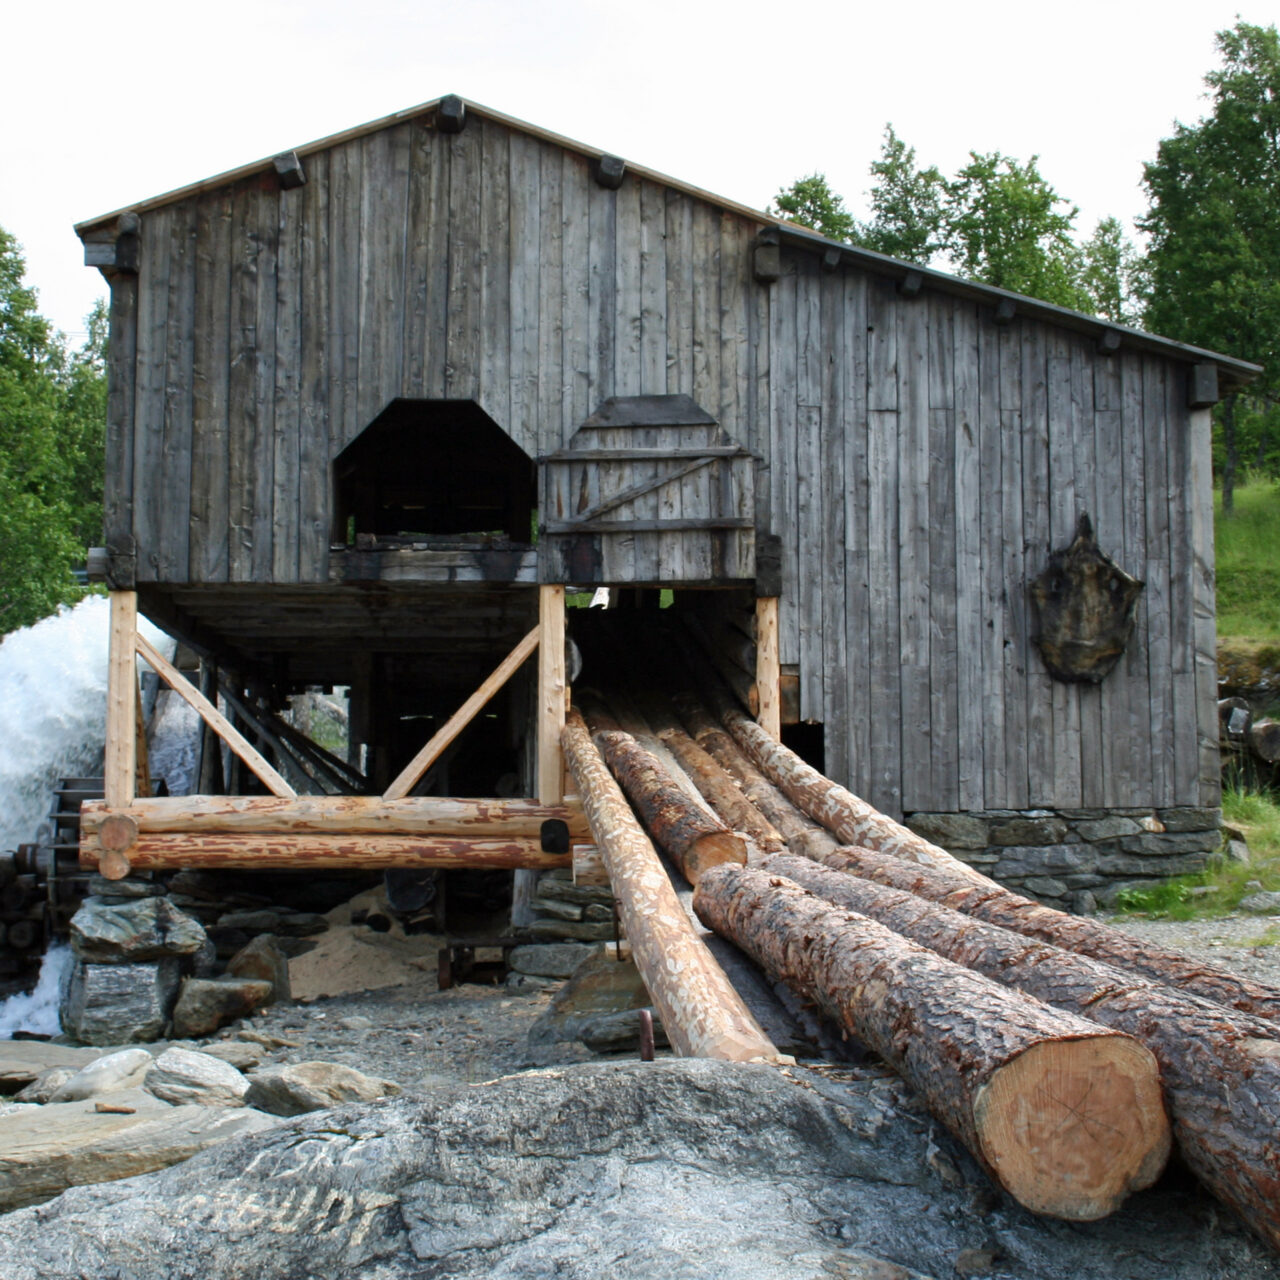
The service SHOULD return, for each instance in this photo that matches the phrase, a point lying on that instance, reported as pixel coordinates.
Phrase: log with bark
(695, 839)
(1066, 1115)
(702, 1013)
(1221, 1069)
(990, 902)
(1264, 740)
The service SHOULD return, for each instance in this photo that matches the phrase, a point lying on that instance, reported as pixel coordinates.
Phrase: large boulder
(108, 1074)
(129, 932)
(300, 1087)
(179, 1076)
(261, 959)
(24, 1061)
(206, 1004)
(119, 1003)
(612, 1171)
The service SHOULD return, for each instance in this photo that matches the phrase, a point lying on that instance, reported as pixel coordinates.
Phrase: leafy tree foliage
(1112, 273)
(811, 203)
(906, 205)
(52, 413)
(1214, 223)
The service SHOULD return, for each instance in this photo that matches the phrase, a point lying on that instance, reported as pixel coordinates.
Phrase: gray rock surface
(119, 1003)
(629, 1171)
(129, 932)
(548, 959)
(1265, 903)
(261, 959)
(179, 1076)
(108, 1074)
(45, 1085)
(22, 1061)
(299, 1087)
(205, 1004)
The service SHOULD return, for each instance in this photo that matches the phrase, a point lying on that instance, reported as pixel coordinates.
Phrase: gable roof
(1232, 371)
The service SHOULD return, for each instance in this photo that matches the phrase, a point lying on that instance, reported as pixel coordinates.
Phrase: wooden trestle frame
(128, 830)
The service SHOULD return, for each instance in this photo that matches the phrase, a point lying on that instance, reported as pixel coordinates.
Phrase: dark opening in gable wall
(433, 469)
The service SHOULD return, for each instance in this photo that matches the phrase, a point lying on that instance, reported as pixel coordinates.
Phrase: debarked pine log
(996, 905)
(703, 1015)
(1221, 1069)
(214, 851)
(1066, 1115)
(693, 837)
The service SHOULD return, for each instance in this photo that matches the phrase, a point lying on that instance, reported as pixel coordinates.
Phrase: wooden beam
(340, 815)
(142, 773)
(214, 719)
(702, 1013)
(443, 736)
(768, 667)
(120, 763)
(298, 851)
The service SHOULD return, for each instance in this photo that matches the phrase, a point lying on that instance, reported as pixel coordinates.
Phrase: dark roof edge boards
(1235, 372)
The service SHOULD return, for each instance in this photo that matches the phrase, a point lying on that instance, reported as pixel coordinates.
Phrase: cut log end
(1072, 1127)
(711, 851)
(114, 864)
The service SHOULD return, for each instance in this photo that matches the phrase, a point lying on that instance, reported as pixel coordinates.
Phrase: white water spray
(38, 1010)
(53, 707)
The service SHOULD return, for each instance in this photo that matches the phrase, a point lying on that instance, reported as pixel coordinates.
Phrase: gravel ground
(1230, 942)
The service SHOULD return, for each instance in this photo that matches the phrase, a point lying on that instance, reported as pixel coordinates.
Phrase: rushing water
(53, 707)
(37, 1010)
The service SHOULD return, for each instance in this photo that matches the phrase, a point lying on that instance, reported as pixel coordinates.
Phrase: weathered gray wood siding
(274, 326)
(919, 460)
(924, 460)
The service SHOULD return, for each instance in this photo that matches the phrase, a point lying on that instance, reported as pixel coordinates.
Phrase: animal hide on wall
(1086, 605)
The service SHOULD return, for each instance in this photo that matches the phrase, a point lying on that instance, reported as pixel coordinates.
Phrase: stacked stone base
(1077, 859)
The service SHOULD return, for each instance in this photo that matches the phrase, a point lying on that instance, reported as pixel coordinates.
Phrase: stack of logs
(1059, 1051)
(1252, 742)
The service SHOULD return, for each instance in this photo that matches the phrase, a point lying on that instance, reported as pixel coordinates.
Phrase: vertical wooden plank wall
(919, 460)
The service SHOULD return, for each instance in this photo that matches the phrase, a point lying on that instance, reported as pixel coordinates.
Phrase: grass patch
(1217, 891)
(1248, 564)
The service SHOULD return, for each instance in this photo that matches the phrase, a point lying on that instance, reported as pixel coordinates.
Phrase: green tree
(1214, 224)
(1006, 226)
(1110, 273)
(906, 205)
(52, 406)
(810, 202)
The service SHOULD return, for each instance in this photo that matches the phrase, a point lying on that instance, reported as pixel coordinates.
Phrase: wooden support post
(142, 774)
(120, 765)
(768, 667)
(214, 718)
(455, 724)
(551, 704)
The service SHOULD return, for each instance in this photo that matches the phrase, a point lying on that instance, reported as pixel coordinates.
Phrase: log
(851, 820)
(702, 1013)
(722, 791)
(1064, 1114)
(801, 833)
(768, 667)
(996, 905)
(119, 770)
(1221, 1069)
(1235, 718)
(339, 815)
(1264, 740)
(309, 852)
(690, 833)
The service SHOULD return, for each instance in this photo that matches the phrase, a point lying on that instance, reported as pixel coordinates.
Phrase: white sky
(103, 105)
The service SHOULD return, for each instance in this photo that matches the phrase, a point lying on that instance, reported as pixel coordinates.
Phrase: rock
(1028, 831)
(567, 891)
(610, 1171)
(1044, 887)
(1047, 859)
(299, 1087)
(1266, 903)
(22, 1061)
(145, 929)
(263, 960)
(1172, 845)
(599, 1005)
(951, 830)
(1236, 851)
(598, 911)
(975, 1262)
(525, 984)
(45, 1085)
(251, 922)
(55, 1147)
(179, 1076)
(240, 1055)
(119, 1003)
(356, 1022)
(548, 960)
(1084, 902)
(1191, 819)
(205, 1004)
(109, 1074)
(557, 909)
(302, 924)
(1107, 828)
(128, 888)
(568, 929)
(204, 963)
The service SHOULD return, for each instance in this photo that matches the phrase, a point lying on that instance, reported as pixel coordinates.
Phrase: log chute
(1066, 1115)
(1221, 1069)
(702, 1013)
(996, 905)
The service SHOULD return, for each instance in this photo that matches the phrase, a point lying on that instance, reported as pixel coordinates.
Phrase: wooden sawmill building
(372, 401)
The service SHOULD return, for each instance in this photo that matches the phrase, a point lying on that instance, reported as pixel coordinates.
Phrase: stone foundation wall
(1077, 859)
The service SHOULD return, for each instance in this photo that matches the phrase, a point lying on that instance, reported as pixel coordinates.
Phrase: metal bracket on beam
(609, 171)
(767, 257)
(831, 259)
(1202, 386)
(289, 170)
(911, 284)
(451, 114)
(1006, 309)
(1108, 342)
